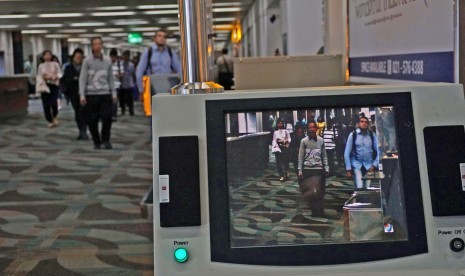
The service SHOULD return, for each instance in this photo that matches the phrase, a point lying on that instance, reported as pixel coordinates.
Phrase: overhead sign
(411, 40)
(135, 38)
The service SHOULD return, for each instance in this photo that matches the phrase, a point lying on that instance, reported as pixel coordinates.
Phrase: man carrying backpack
(361, 153)
(157, 59)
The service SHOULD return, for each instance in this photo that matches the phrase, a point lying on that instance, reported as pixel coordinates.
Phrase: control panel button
(181, 255)
(457, 245)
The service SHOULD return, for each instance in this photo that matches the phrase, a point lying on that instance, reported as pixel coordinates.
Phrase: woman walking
(47, 84)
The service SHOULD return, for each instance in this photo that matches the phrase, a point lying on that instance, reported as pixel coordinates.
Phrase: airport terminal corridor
(67, 209)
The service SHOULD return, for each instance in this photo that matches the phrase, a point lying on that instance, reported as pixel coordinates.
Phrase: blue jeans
(358, 174)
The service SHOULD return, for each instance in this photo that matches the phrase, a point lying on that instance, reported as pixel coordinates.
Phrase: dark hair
(113, 52)
(224, 51)
(126, 53)
(77, 51)
(312, 122)
(363, 117)
(161, 30)
(44, 52)
(41, 59)
(95, 38)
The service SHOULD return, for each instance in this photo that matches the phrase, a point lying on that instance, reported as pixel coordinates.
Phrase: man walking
(361, 153)
(97, 91)
(157, 59)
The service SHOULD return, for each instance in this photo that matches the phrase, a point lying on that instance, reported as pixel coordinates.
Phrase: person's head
(363, 123)
(126, 55)
(311, 129)
(280, 124)
(97, 44)
(113, 54)
(31, 58)
(160, 38)
(78, 56)
(224, 51)
(320, 119)
(299, 131)
(46, 55)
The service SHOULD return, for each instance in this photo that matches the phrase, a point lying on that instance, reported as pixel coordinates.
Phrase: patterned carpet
(67, 209)
(266, 211)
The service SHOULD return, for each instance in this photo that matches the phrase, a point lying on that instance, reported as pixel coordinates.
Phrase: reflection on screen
(312, 176)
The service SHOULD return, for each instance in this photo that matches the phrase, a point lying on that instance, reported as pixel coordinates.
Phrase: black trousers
(50, 103)
(99, 108)
(313, 189)
(80, 114)
(126, 98)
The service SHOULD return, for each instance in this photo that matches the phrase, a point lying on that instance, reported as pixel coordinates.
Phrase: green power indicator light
(181, 255)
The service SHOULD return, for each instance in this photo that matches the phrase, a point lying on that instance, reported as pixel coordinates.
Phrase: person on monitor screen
(157, 59)
(313, 168)
(361, 153)
(280, 148)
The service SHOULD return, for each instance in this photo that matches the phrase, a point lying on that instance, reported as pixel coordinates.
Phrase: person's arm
(301, 157)
(176, 63)
(375, 146)
(324, 158)
(347, 152)
(141, 68)
(83, 81)
(111, 81)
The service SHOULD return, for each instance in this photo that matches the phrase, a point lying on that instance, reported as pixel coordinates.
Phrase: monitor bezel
(313, 254)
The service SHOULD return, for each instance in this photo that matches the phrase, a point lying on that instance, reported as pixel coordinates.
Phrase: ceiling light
(119, 34)
(161, 12)
(45, 25)
(88, 24)
(89, 35)
(109, 30)
(34, 31)
(113, 13)
(129, 22)
(173, 28)
(227, 4)
(52, 15)
(165, 20)
(8, 26)
(111, 8)
(227, 9)
(148, 34)
(14, 16)
(154, 7)
(57, 36)
(72, 31)
(143, 29)
(224, 19)
(223, 26)
(82, 40)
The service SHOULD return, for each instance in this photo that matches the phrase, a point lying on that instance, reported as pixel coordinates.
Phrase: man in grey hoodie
(97, 91)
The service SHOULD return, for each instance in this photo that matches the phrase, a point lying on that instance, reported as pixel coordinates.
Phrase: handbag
(42, 87)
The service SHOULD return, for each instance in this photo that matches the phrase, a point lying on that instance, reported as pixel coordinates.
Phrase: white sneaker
(281, 179)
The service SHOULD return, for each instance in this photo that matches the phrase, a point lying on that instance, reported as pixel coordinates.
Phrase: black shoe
(114, 119)
(97, 146)
(79, 137)
(85, 137)
(107, 145)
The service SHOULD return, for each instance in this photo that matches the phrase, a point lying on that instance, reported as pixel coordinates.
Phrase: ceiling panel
(32, 16)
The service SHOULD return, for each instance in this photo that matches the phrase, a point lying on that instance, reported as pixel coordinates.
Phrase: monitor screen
(305, 180)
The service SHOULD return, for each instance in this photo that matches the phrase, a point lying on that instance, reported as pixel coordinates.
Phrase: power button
(457, 245)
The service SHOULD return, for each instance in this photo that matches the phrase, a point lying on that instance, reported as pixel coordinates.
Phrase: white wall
(6, 45)
(304, 26)
(300, 20)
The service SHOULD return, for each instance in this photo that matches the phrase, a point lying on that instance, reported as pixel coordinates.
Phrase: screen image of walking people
(314, 176)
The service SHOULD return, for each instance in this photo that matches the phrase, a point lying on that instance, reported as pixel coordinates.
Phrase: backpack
(170, 52)
(354, 137)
